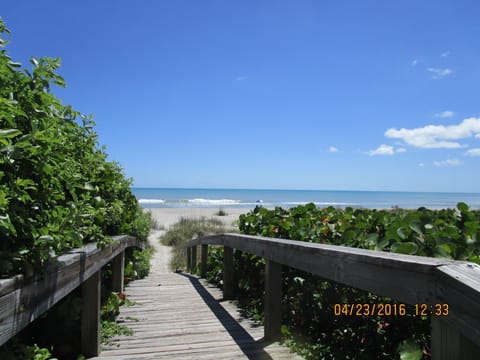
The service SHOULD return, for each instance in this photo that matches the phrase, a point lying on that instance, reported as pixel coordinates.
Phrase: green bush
(57, 192)
(137, 263)
(57, 189)
(17, 350)
(308, 301)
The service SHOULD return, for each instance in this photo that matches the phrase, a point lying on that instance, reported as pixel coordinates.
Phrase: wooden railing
(408, 279)
(23, 300)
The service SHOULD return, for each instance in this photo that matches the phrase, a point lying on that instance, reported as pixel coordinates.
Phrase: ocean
(248, 199)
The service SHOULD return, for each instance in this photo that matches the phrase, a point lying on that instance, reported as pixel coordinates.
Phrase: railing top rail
(237, 241)
(24, 299)
(71, 257)
(406, 278)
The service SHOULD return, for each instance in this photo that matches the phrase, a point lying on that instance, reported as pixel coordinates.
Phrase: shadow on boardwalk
(179, 316)
(253, 349)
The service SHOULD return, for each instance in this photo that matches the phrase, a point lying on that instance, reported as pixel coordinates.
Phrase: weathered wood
(354, 267)
(194, 258)
(273, 300)
(228, 273)
(118, 269)
(178, 316)
(216, 239)
(449, 344)
(458, 285)
(189, 259)
(406, 278)
(90, 328)
(24, 300)
(414, 276)
(203, 269)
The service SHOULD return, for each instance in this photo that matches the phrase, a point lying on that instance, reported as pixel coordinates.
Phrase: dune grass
(185, 230)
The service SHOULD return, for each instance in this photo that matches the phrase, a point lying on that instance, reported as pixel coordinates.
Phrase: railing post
(90, 327)
(189, 259)
(449, 344)
(118, 272)
(273, 300)
(194, 258)
(228, 286)
(203, 270)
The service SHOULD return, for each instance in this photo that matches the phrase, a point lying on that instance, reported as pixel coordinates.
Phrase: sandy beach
(166, 217)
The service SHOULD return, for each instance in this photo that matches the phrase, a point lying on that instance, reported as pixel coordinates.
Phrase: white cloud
(241, 78)
(449, 162)
(414, 62)
(445, 114)
(382, 150)
(437, 136)
(473, 152)
(445, 54)
(332, 149)
(439, 73)
(421, 164)
(401, 150)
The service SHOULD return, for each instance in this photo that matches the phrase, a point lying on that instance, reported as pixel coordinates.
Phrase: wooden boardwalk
(179, 316)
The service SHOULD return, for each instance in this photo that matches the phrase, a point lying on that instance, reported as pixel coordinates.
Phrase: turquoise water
(240, 198)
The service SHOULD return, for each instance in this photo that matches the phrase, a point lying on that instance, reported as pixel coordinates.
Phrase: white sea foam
(214, 201)
(151, 201)
(332, 203)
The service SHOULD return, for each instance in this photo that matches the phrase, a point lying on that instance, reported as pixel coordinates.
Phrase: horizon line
(283, 189)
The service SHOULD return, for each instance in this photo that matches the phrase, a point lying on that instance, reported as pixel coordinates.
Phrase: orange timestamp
(385, 309)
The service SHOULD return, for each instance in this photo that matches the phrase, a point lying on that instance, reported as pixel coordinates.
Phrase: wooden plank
(216, 239)
(194, 258)
(185, 318)
(118, 269)
(189, 259)
(10, 284)
(406, 278)
(273, 300)
(228, 273)
(413, 276)
(90, 328)
(204, 250)
(449, 344)
(459, 288)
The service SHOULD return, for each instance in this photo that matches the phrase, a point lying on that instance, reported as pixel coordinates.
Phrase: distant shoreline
(248, 199)
(299, 190)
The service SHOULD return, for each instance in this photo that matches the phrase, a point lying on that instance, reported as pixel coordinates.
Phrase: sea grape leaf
(409, 350)
(405, 248)
(402, 233)
(428, 226)
(470, 240)
(349, 235)
(382, 244)
(372, 238)
(416, 226)
(443, 250)
(471, 226)
(462, 207)
(299, 280)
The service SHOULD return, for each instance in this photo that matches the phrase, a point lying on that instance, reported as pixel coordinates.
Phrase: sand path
(164, 218)
(161, 256)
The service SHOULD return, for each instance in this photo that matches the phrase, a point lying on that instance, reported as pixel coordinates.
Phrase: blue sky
(334, 95)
